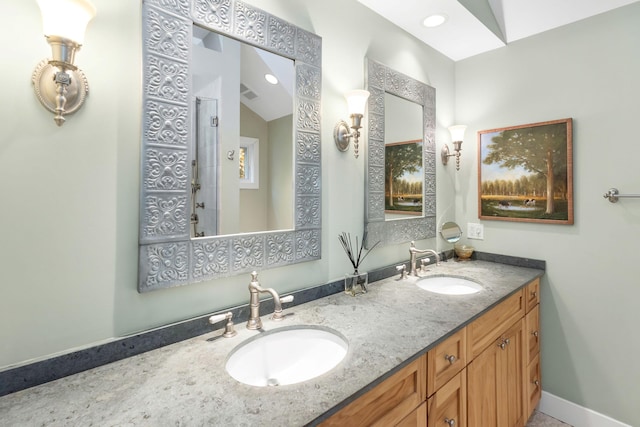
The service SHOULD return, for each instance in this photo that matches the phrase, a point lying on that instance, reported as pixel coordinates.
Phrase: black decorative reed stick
(358, 253)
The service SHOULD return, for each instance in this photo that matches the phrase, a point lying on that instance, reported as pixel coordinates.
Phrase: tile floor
(538, 419)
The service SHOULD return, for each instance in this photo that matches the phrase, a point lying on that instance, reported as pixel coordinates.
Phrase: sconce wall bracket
(341, 135)
(50, 82)
(445, 154)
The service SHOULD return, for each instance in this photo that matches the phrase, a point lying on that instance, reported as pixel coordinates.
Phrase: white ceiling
(477, 26)
(269, 101)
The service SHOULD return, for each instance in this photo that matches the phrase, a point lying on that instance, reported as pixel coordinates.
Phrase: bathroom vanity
(485, 374)
(413, 356)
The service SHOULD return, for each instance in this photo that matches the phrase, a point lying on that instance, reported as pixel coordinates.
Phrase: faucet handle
(288, 298)
(229, 330)
(402, 269)
(277, 313)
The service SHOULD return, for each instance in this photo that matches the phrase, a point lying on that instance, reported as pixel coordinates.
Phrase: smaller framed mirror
(401, 122)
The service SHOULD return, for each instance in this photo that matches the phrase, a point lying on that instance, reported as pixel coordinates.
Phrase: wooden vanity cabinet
(485, 374)
(503, 376)
(395, 401)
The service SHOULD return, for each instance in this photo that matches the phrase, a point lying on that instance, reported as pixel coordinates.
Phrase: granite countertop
(186, 383)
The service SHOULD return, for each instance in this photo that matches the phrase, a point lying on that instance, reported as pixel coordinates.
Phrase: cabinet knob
(451, 422)
(505, 342)
(535, 334)
(534, 294)
(537, 383)
(450, 358)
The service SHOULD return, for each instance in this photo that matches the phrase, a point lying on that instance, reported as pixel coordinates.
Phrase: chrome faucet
(254, 302)
(413, 252)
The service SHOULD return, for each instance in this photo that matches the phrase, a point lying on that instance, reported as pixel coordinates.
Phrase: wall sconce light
(356, 101)
(457, 135)
(60, 86)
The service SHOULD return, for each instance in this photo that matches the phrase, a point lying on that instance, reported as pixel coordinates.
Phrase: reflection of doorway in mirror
(403, 178)
(204, 185)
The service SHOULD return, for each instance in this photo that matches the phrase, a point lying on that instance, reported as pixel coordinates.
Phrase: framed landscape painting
(525, 173)
(403, 177)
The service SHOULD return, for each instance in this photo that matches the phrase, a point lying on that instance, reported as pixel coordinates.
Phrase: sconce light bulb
(457, 132)
(357, 101)
(66, 19)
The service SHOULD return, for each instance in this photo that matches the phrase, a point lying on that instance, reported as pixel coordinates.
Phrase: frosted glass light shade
(457, 132)
(66, 18)
(356, 101)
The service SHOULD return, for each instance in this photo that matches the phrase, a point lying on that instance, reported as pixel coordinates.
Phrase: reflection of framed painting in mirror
(403, 177)
(525, 173)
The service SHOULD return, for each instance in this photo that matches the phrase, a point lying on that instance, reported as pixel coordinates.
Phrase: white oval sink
(286, 356)
(449, 285)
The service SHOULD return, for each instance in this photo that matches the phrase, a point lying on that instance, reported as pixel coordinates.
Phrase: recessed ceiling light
(434, 20)
(271, 79)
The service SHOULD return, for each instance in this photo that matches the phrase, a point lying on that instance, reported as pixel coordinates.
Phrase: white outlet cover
(475, 231)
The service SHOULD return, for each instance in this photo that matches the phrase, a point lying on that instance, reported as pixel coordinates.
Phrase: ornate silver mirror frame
(381, 79)
(167, 255)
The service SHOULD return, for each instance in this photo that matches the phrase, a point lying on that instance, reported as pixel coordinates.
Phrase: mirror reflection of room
(242, 170)
(404, 169)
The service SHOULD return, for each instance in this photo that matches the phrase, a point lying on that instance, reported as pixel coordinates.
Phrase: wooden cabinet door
(446, 360)
(512, 369)
(532, 334)
(492, 325)
(448, 406)
(418, 418)
(483, 394)
(533, 387)
(495, 382)
(532, 293)
(388, 403)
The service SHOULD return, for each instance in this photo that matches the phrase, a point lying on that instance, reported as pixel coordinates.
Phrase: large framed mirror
(401, 157)
(206, 143)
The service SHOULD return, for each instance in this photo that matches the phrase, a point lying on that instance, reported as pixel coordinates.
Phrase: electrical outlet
(475, 231)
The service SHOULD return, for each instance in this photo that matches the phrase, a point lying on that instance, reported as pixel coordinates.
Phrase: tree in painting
(541, 150)
(400, 159)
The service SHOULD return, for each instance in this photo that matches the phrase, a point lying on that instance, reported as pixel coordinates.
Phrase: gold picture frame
(519, 166)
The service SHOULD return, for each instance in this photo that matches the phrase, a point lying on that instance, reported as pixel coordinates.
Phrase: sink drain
(272, 382)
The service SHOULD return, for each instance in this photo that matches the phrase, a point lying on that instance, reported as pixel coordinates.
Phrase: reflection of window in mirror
(249, 161)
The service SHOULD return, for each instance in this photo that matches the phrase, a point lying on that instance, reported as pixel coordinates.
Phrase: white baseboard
(574, 414)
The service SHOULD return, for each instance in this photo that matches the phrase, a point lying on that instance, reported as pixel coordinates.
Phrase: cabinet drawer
(532, 334)
(446, 360)
(388, 403)
(483, 331)
(532, 294)
(417, 418)
(533, 386)
(448, 406)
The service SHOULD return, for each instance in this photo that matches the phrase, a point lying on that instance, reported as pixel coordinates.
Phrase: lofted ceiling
(476, 26)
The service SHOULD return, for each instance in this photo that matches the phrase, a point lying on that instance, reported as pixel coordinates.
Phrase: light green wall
(70, 195)
(281, 174)
(588, 71)
(254, 202)
(69, 212)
